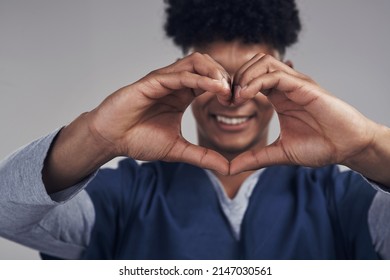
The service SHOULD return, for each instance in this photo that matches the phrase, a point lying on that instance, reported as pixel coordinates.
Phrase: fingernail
(225, 83)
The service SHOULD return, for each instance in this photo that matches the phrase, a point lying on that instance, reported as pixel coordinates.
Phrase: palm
(302, 140)
(159, 129)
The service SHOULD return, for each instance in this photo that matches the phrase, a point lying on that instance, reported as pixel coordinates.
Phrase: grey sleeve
(59, 225)
(378, 221)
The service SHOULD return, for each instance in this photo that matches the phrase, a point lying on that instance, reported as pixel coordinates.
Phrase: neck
(232, 183)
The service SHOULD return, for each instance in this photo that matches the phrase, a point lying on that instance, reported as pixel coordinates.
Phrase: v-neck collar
(234, 208)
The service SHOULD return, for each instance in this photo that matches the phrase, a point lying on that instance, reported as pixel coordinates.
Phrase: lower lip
(232, 128)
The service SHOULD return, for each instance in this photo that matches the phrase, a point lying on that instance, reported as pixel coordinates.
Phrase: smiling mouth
(231, 120)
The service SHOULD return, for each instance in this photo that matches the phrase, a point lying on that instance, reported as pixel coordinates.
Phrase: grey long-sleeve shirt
(61, 224)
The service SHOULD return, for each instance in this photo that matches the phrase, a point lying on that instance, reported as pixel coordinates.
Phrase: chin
(231, 145)
(230, 151)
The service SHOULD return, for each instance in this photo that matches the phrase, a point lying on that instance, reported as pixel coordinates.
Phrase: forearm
(374, 161)
(75, 153)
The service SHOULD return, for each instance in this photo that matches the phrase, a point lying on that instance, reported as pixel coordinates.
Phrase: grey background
(61, 58)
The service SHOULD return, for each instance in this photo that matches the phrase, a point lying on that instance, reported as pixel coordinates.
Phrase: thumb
(187, 152)
(258, 158)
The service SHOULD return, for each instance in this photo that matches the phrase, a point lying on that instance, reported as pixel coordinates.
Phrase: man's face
(230, 130)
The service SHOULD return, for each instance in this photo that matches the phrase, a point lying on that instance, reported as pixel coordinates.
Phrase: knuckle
(208, 56)
(183, 74)
(267, 57)
(215, 73)
(258, 57)
(196, 56)
(278, 73)
(269, 63)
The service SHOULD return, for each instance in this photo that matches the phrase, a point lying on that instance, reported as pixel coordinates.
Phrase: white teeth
(231, 121)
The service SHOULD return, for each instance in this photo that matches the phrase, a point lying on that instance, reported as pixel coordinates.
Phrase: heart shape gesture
(143, 120)
(316, 128)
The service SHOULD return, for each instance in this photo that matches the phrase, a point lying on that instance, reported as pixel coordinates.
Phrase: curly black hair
(194, 22)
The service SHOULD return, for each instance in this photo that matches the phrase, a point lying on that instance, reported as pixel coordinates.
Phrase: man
(173, 207)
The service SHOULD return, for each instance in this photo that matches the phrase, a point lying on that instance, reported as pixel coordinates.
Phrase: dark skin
(143, 121)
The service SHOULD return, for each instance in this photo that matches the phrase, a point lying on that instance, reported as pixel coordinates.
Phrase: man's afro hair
(194, 22)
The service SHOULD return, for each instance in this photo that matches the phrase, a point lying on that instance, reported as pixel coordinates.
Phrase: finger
(163, 84)
(296, 89)
(259, 65)
(204, 65)
(224, 98)
(210, 68)
(245, 66)
(201, 64)
(256, 159)
(199, 156)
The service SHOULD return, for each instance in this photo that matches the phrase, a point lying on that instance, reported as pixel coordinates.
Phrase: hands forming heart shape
(143, 120)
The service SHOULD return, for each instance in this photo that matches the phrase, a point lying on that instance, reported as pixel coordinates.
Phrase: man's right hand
(142, 121)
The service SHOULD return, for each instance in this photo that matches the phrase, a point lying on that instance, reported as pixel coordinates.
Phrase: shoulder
(129, 176)
(332, 180)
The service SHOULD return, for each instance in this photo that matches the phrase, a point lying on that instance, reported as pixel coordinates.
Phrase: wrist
(74, 154)
(373, 161)
(107, 148)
